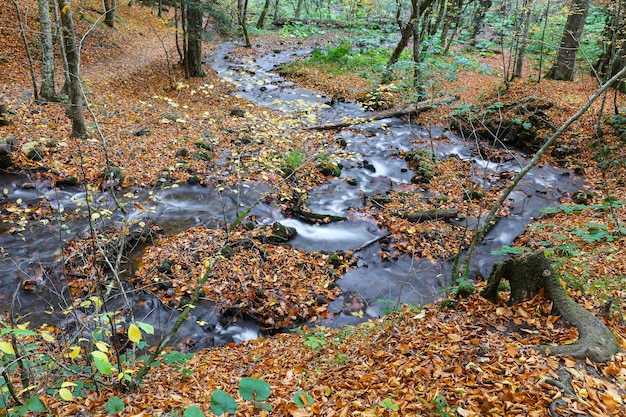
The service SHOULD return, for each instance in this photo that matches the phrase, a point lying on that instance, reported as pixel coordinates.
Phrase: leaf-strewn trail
(475, 358)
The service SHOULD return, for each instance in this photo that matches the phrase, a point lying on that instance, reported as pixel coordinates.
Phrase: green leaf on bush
(193, 411)
(102, 362)
(35, 404)
(147, 328)
(222, 403)
(114, 405)
(253, 389)
(302, 399)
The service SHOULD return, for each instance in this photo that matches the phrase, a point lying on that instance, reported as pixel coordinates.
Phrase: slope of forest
(473, 359)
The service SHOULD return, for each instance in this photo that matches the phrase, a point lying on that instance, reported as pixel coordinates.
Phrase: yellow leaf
(68, 384)
(47, 336)
(102, 347)
(134, 334)
(7, 348)
(74, 351)
(66, 394)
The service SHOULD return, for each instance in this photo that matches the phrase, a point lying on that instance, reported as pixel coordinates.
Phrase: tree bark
(48, 85)
(261, 22)
(413, 108)
(563, 68)
(193, 51)
(406, 30)
(109, 12)
(429, 215)
(242, 16)
(479, 17)
(74, 83)
(527, 276)
(523, 40)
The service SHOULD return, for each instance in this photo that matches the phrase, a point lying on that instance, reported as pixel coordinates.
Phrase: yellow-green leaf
(134, 334)
(66, 394)
(102, 347)
(7, 348)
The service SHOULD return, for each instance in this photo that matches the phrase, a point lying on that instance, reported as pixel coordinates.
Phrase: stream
(34, 254)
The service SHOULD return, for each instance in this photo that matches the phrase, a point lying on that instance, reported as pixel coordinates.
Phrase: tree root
(527, 276)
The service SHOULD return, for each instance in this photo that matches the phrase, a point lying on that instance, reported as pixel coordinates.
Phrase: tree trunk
(527, 276)
(261, 22)
(31, 66)
(614, 56)
(563, 68)
(523, 41)
(193, 52)
(48, 85)
(406, 31)
(242, 16)
(298, 11)
(72, 53)
(109, 12)
(479, 17)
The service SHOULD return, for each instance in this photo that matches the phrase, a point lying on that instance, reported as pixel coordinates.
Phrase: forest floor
(471, 360)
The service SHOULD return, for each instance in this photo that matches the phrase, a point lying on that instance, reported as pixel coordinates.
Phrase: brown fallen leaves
(477, 358)
(278, 285)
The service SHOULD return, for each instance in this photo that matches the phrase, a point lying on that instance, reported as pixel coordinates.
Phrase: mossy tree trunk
(527, 276)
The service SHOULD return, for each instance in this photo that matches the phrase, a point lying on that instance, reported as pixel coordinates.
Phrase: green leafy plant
(388, 404)
(250, 389)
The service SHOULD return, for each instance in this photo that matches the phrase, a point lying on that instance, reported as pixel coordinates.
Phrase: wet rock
(6, 147)
(237, 112)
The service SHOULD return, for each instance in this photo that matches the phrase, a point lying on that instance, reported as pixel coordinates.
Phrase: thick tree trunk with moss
(48, 86)
(193, 34)
(563, 68)
(527, 276)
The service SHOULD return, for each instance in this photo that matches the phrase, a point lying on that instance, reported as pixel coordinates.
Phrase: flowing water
(33, 255)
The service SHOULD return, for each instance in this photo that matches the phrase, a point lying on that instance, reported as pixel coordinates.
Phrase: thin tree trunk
(298, 11)
(48, 85)
(59, 39)
(521, 51)
(75, 93)
(242, 16)
(406, 31)
(480, 233)
(261, 22)
(28, 54)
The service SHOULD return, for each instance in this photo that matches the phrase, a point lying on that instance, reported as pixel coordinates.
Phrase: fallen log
(283, 21)
(427, 215)
(397, 111)
(527, 275)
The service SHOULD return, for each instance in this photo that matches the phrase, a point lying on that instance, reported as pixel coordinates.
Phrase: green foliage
(441, 406)
(222, 403)
(317, 340)
(193, 411)
(388, 404)
(299, 30)
(114, 405)
(293, 160)
(302, 399)
(510, 250)
(252, 389)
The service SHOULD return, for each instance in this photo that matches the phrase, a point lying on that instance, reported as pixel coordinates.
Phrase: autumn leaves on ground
(157, 127)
